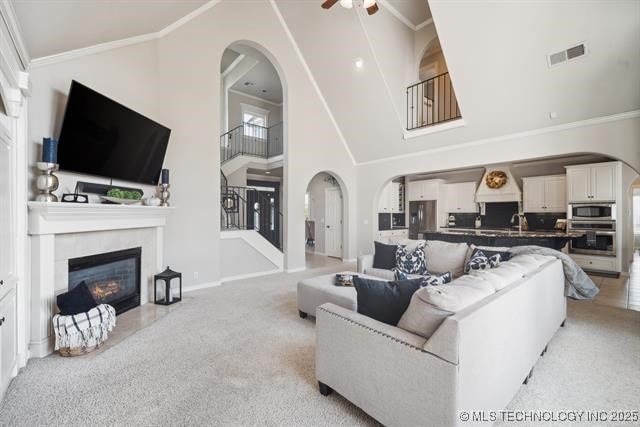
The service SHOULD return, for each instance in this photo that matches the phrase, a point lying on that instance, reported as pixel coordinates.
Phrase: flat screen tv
(102, 137)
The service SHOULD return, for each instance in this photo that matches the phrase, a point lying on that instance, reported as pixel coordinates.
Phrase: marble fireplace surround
(61, 231)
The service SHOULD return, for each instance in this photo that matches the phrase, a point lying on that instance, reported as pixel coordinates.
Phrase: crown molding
(257, 98)
(306, 68)
(103, 47)
(517, 135)
(10, 19)
(385, 4)
(90, 50)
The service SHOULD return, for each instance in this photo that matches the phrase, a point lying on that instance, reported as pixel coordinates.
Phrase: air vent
(567, 55)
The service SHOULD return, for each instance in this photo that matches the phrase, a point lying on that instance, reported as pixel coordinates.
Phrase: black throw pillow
(77, 300)
(385, 301)
(384, 256)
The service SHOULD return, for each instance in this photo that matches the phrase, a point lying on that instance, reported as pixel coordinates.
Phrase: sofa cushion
(385, 256)
(411, 244)
(384, 301)
(444, 256)
(431, 305)
(501, 276)
(411, 262)
(422, 318)
(382, 273)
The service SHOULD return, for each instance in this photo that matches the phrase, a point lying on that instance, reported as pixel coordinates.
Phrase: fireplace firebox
(113, 278)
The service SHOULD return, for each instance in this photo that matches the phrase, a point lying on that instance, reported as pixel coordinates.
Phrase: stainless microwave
(592, 211)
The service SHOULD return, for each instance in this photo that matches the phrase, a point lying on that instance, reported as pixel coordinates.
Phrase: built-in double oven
(599, 237)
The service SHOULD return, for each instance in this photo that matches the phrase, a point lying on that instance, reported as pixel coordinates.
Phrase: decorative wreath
(496, 179)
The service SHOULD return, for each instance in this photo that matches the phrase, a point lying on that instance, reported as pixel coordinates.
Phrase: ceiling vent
(567, 55)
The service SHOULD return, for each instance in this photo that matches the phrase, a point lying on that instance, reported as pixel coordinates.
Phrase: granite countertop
(501, 232)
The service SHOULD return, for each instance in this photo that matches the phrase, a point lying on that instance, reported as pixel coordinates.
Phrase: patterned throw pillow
(411, 262)
(399, 275)
(479, 261)
(436, 279)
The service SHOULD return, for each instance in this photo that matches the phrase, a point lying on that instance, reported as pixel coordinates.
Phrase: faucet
(520, 217)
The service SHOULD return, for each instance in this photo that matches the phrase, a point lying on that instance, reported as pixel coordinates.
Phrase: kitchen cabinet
(423, 190)
(392, 198)
(461, 197)
(592, 183)
(594, 262)
(544, 193)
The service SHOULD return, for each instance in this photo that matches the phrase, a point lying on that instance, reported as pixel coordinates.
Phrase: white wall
(240, 258)
(235, 109)
(127, 75)
(317, 204)
(190, 102)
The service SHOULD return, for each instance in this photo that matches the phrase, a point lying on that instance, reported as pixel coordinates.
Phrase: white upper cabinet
(592, 183)
(544, 193)
(461, 197)
(391, 199)
(423, 190)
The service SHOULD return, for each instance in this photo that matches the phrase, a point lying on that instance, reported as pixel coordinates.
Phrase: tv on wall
(104, 138)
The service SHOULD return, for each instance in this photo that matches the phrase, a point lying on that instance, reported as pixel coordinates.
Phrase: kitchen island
(503, 237)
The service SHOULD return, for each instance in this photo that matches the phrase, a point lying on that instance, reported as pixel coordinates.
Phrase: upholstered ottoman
(315, 291)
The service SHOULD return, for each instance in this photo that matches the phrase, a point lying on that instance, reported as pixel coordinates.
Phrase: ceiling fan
(370, 5)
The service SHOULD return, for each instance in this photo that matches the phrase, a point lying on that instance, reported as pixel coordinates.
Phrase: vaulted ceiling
(55, 26)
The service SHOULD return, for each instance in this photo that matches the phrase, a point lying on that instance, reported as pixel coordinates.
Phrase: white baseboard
(41, 348)
(201, 286)
(296, 270)
(250, 275)
(349, 259)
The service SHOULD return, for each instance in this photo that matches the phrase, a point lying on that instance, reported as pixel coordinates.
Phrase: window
(254, 121)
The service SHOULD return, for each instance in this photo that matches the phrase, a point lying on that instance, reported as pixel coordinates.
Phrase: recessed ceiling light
(268, 173)
(249, 84)
(359, 63)
(264, 91)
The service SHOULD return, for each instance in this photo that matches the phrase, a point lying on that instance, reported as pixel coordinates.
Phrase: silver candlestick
(47, 182)
(163, 190)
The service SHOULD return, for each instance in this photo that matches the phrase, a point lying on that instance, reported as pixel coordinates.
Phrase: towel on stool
(84, 329)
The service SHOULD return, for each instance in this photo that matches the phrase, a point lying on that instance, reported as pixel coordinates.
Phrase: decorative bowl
(120, 201)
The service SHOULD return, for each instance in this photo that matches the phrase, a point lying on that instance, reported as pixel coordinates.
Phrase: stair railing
(431, 102)
(245, 208)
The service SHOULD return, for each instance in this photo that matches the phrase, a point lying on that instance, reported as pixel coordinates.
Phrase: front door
(333, 222)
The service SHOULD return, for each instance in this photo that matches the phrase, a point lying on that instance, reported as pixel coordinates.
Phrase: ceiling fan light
(368, 3)
(347, 4)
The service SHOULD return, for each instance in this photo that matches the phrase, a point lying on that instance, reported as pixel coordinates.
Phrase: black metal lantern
(166, 276)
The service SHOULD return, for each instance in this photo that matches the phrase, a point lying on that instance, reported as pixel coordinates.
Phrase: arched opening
(252, 150)
(325, 215)
(433, 100)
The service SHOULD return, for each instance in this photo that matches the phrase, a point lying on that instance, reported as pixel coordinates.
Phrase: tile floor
(623, 292)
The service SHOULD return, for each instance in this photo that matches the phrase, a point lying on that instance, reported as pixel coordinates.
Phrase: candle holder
(47, 182)
(163, 192)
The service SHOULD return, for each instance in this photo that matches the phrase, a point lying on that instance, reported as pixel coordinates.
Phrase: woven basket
(79, 351)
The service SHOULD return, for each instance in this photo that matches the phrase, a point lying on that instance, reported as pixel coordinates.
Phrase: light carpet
(240, 355)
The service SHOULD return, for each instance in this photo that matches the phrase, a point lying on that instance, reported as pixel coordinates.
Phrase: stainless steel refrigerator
(422, 217)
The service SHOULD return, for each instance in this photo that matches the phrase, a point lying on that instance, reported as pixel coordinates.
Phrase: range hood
(509, 192)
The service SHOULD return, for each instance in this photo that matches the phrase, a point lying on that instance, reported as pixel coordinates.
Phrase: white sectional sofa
(476, 360)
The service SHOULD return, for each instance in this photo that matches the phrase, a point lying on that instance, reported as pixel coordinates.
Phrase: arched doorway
(252, 149)
(324, 220)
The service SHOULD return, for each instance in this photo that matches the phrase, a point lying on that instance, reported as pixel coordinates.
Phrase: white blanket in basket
(84, 329)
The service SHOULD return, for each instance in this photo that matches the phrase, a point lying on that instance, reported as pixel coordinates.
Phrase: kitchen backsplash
(544, 221)
(465, 219)
(499, 214)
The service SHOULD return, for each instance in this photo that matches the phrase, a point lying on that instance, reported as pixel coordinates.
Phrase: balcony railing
(431, 102)
(251, 140)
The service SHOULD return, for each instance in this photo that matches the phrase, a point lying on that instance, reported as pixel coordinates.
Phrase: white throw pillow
(422, 318)
(445, 256)
(380, 272)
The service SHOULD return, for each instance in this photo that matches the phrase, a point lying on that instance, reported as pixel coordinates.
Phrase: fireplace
(113, 278)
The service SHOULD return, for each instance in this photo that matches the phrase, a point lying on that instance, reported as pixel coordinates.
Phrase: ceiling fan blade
(327, 4)
(373, 9)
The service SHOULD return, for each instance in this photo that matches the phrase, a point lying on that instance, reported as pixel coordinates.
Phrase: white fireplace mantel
(60, 218)
(49, 223)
